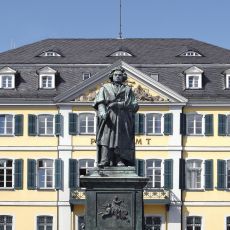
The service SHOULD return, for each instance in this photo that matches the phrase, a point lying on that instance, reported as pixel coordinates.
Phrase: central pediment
(145, 88)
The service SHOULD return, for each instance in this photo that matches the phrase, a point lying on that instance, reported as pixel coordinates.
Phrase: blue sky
(26, 21)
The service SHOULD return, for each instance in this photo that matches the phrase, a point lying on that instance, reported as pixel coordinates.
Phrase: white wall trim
(207, 203)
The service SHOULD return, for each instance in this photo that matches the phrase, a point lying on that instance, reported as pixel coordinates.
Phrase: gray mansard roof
(92, 55)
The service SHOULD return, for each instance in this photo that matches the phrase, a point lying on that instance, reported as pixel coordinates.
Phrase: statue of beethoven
(116, 106)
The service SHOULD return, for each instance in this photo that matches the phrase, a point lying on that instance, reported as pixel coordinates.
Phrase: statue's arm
(99, 104)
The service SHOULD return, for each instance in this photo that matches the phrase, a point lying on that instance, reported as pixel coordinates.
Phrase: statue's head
(118, 75)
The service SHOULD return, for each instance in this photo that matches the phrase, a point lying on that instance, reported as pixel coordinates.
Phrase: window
(194, 174)
(191, 54)
(6, 222)
(228, 223)
(120, 53)
(193, 78)
(6, 124)
(47, 82)
(7, 82)
(44, 223)
(47, 78)
(193, 223)
(87, 123)
(85, 164)
(86, 76)
(154, 123)
(50, 54)
(194, 124)
(152, 223)
(46, 124)
(6, 173)
(45, 174)
(81, 223)
(193, 81)
(154, 172)
(7, 78)
(228, 174)
(227, 81)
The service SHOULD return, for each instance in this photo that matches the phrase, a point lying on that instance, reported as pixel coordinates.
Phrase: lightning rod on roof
(120, 33)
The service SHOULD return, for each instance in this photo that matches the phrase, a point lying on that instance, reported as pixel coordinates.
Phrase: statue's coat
(117, 130)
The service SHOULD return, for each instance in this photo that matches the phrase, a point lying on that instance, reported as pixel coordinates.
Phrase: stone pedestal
(114, 199)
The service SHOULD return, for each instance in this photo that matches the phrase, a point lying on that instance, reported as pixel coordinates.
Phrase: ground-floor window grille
(193, 223)
(152, 223)
(6, 222)
(44, 223)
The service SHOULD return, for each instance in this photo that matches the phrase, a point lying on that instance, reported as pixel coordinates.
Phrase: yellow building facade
(48, 127)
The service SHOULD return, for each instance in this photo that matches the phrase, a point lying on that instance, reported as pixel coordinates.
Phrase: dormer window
(191, 54)
(86, 76)
(47, 82)
(227, 78)
(50, 54)
(121, 53)
(47, 78)
(193, 78)
(7, 78)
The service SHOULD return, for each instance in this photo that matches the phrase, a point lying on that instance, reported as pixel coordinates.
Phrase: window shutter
(18, 174)
(221, 174)
(221, 125)
(182, 174)
(183, 124)
(168, 174)
(168, 124)
(58, 173)
(72, 123)
(140, 167)
(58, 124)
(139, 123)
(73, 173)
(32, 127)
(209, 125)
(18, 125)
(209, 174)
(31, 174)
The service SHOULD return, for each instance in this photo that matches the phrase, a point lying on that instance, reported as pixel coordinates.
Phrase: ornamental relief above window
(141, 93)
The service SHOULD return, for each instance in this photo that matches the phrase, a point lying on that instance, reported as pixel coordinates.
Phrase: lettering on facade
(138, 141)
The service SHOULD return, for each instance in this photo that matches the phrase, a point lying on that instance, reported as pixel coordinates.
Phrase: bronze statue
(116, 105)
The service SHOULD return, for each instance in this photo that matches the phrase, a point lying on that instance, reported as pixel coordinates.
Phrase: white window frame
(202, 174)
(13, 219)
(121, 53)
(5, 125)
(191, 53)
(86, 74)
(12, 79)
(188, 115)
(227, 79)
(154, 216)
(193, 216)
(199, 80)
(50, 54)
(154, 168)
(45, 180)
(46, 126)
(162, 124)
(45, 215)
(41, 76)
(5, 168)
(79, 125)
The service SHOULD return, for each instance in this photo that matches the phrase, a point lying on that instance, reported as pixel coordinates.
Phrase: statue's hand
(104, 116)
(113, 105)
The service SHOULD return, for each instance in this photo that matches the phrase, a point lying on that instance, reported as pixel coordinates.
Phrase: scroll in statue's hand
(116, 105)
